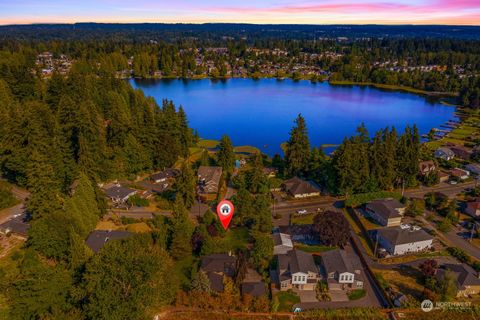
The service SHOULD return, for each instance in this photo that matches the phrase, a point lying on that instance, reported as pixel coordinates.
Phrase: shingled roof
(386, 208)
(398, 236)
(297, 261)
(98, 238)
(463, 274)
(209, 178)
(297, 186)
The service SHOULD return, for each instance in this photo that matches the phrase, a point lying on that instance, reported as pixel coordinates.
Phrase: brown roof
(426, 165)
(296, 186)
(216, 266)
(209, 179)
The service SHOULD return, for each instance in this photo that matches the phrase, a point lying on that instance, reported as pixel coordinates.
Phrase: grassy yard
(356, 294)
(302, 219)
(7, 199)
(313, 248)
(207, 143)
(236, 238)
(286, 300)
(358, 232)
(406, 280)
(413, 257)
(8, 265)
(246, 149)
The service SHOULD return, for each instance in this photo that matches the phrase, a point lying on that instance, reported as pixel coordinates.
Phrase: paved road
(9, 213)
(452, 238)
(448, 189)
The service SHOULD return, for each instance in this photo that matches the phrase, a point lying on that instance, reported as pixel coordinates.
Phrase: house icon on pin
(225, 209)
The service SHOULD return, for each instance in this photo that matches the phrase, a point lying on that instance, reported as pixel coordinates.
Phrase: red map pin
(225, 212)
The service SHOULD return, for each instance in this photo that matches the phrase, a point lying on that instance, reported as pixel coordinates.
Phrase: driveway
(338, 295)
(307, 296)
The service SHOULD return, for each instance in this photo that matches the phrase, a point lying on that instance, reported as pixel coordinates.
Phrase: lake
(261, 112)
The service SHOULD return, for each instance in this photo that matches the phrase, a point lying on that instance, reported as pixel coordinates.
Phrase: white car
(302, 211)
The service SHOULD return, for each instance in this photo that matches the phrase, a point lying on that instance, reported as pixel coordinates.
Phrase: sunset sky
(460, 12)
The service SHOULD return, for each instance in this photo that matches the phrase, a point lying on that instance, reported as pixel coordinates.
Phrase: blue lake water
(261, 112)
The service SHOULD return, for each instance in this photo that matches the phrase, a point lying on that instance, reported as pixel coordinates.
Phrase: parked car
(302, 211)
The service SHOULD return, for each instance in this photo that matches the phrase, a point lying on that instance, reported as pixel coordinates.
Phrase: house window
(303, 278)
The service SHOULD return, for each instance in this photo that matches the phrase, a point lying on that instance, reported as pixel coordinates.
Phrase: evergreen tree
(225, 155)
(297, 151)
(181, 231)
(185, 185)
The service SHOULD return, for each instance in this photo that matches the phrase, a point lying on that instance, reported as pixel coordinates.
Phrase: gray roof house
(342, 269)
(98, 238)
(17, 225)
(282, 243)
(444, 153)
(296, 269)
(299, 188)
(253, 284)
(467, 280)
(164, 175)
(403, 239)
(216, 266)
(119, 194)
(473, 168)
(386, 212)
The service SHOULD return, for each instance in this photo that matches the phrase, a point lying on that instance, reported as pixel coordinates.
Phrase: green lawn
(286, 300)
(236, 238)
(207, 143)
(356, 294)
(313, 248)
(246, 149)
(302, 219)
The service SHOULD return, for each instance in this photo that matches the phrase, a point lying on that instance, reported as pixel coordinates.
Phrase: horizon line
(241, 23)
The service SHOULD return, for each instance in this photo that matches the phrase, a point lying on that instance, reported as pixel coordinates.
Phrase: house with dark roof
(282, 243)
(343, 270)
(119, 194)
(444, 153)
(403, 239)
(216, 266)
(386, 212)
(253, 284)
(473, 208)
(98, 238)
(209, 182)
(466, 279)
(461, 152)
(473, 168)
(299, 188)
(459, 173)
(164, 175)
(296, 270)
(18, 225)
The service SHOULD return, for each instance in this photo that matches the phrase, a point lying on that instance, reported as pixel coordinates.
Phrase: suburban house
(119, 194)
(473, 208)
(98, 238)
(299, 188)
(459, 173)
(461, 151)
(426, 167)
(386, 212)
(296, 270)
(467, 280)
(473, 168)
(209, 182)
(342, 271)
(216, 266)
(403, 239)
(270, 172)
(253, 284)
(164, 176)
(443, 176)
(282, 243)
(444, 153)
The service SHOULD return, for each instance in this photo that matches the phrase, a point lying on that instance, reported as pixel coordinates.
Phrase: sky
(452, 12)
